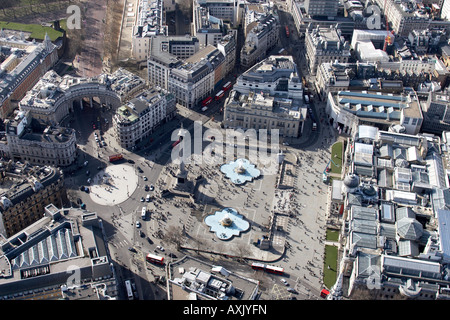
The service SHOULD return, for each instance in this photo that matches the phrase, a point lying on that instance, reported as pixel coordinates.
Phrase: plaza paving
(113, 185)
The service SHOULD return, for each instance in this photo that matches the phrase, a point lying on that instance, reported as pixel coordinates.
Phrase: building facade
(25, 65)
(142, 115)
(261, 111)
(149, 23)
(37, 142)
(275, 75)
(31, 188)
(349, 109)
(325, 45)
(208, 29)
(263, 35)
(328, 8)
(226, 10)
(197, 77)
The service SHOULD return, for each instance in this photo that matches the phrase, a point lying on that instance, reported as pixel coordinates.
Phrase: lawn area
(37, 31)
(332, 235)
(336, 158)
(329, 275)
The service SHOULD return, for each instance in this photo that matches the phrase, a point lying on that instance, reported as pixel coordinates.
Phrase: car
(86, 189)
(104, 143)
(140, 170)
(138, 224)
(82, 188)
(149, 240)
(284, 282)
(132, 249)
(141, 234)
(152, 187)
(160, 248)
(130, 161)
(172, 255)
(292, 290)
(148, 198)
(142, 199)
(88, 172)
(146, 187)
(89, 180)
(145, 178)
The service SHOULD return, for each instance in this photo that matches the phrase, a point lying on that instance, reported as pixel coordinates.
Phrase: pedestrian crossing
(121, 244)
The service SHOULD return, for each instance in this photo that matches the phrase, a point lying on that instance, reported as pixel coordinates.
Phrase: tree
(174, 234)
(5, 4)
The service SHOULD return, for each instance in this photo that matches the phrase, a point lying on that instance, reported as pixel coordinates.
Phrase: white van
(143, 212)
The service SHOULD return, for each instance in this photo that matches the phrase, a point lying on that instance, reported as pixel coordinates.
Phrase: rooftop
(39, 256)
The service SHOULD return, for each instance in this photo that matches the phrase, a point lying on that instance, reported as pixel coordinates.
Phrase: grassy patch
(37, 31)
(329, 274)
(336, 158)
(332, 235)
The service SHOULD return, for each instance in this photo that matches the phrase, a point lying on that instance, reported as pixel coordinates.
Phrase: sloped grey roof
(57, 246)
(404, 212)
(386, 151)
(387, 230)
(407, 248)
(409, 229)
(364, 240)
(368, 264)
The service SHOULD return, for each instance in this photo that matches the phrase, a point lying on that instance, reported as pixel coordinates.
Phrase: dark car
(147, 187)
(130, 161)
(141, 234)
(172, 255)
(132, 249)
(149, 240)
(139, 169)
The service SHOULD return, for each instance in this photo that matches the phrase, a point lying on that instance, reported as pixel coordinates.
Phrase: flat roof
(444, 231)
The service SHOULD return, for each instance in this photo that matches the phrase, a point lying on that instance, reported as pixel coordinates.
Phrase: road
(89, 62)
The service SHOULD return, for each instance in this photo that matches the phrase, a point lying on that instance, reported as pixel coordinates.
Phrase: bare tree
(242, 250)
(174, 234)
(5, 4)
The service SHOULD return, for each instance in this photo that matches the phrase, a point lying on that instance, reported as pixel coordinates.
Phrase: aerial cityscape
(225, 150)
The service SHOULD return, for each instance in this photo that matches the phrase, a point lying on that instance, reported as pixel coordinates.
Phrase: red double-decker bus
(227, 86)
(258, 266)
(267, 268)
(206, 101)
(220, 94)
(275, 270)
(115, 157)
(154, 259)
